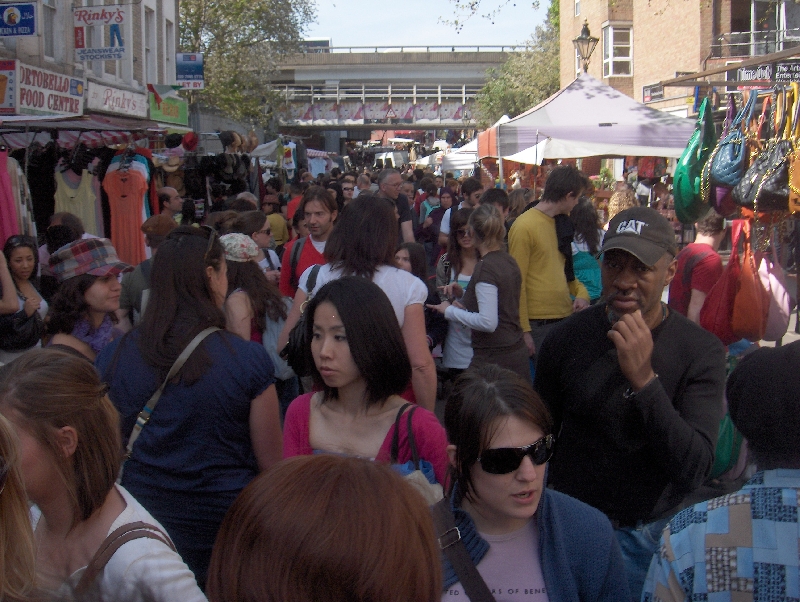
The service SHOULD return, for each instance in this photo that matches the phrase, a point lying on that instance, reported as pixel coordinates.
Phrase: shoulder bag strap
(294, 259)
(114, 542)
(147, 411)
(395, 449)
(312, 279)
(412, 443)
(449, 538)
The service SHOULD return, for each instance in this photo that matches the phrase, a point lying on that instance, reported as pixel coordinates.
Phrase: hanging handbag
(296, 352)
(416, 471)
(726, 165)
(765, 185)
(779, 308)
(794, 158)
(449, 538)
(689, 205)
(144, 416)
(19, 331)
(748, 320)
(715, 315)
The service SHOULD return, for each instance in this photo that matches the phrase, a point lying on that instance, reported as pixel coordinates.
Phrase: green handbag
(690, 202)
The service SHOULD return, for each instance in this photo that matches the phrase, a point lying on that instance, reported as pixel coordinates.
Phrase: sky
(416, 23)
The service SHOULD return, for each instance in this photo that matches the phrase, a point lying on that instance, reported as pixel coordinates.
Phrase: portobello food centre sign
(26, 90)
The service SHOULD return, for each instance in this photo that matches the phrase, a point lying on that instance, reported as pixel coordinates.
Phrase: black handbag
(765, 185)
(296, 353)
(19, 331)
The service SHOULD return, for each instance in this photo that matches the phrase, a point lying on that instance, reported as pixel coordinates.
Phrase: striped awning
(94, 131)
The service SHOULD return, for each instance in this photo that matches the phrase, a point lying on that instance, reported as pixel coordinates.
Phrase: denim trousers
(638, 545)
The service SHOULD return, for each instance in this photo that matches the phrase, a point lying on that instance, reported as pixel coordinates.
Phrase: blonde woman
(17, 563)
(490, 305)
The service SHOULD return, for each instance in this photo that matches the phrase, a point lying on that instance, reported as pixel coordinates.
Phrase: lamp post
(585, 45)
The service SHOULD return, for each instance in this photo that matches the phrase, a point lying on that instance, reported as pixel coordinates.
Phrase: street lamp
(585, 45)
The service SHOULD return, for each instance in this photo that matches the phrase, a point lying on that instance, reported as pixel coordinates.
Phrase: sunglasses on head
(503, 460)
(212, 236)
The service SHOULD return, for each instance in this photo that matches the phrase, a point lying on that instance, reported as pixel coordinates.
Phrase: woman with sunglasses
(490, 304)
(456, 267)
(21, 257)
(527, 542)
(18, 560)
(256, 225)
(217, 423)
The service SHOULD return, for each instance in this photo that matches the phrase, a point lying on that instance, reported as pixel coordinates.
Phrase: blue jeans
(638, 544)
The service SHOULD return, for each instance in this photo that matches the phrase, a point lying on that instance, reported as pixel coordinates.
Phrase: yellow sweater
(545, 293)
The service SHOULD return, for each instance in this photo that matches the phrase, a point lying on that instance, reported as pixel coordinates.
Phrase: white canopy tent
(461, 159)
(555, 148)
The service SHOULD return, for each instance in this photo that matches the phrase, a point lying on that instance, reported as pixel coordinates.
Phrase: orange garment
(126, 189)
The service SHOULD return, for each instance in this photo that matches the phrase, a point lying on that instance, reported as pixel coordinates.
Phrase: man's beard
(611, 314)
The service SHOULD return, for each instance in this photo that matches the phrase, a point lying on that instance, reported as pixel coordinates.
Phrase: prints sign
(42, 92)
(112, 21)
(114, 100)
(18, 20)
(189, 70)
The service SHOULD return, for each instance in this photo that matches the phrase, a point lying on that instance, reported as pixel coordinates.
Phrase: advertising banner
(189, 70)
(8, 87)
(42, 92)
(166, 106)
(114, 100)
(112, 21)
(18, 20)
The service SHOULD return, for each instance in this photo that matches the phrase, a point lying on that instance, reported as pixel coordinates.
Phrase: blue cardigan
(580, 556)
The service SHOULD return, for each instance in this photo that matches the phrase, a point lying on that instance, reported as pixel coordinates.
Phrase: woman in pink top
(361, 366)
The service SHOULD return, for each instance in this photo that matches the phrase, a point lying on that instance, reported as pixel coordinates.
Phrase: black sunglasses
(20, 240)
(507, 459)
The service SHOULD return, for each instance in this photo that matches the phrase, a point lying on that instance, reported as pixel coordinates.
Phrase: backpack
(294, 259)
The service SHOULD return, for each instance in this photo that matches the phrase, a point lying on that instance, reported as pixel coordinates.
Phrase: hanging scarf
(96, 339)
(565, 232)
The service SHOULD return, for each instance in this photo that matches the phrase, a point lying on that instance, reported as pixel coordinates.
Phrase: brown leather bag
(751, 304)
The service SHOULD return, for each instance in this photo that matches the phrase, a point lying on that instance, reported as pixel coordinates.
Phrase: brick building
(644, 42)
(150, 32)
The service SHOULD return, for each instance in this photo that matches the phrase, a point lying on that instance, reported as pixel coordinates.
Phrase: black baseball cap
(642, 232)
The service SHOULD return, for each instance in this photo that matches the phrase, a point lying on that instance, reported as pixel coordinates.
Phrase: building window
(577, 7)
(150, 74)
(617, 51)
(169, 54)
(49, 20)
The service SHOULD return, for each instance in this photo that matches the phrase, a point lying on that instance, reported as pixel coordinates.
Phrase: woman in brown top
(491, 302)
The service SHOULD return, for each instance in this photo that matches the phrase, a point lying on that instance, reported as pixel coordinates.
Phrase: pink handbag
(780, 303)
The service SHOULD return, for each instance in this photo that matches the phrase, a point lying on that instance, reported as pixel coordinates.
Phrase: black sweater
(633, 459)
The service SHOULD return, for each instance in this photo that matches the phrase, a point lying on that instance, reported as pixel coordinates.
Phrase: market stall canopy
(429, 161)
(92, 130)
(555, 148)
(461, 159)
(487, 139)
(589, 111)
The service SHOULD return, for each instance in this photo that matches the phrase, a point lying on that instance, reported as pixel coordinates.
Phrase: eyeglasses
(463, 232)
(347, 188)
(507, 459)
(268, 231)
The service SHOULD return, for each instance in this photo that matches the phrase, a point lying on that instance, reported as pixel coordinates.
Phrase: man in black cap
(744, 546)
(636, 391)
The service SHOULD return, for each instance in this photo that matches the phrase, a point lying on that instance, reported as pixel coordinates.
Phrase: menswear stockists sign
(110, 20)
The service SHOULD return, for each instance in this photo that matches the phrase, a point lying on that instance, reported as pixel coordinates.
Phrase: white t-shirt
(402, 288)
(511, 568)
(579, 245)
(142, 570)
(444, 227)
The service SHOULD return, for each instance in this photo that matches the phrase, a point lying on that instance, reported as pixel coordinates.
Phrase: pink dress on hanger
(126, 189)
(9, 218)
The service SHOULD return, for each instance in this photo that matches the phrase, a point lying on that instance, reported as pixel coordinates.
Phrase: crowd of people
(393, 386)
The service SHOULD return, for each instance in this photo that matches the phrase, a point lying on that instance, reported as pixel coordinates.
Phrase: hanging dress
(80, 201)
(126, 191)
(9, 219)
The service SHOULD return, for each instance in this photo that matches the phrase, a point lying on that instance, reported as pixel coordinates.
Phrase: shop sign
(42, 92)
(8, 87)
(169, 110)
(652, 92)
(189, 70)
(112, 21)
(114, 100)
(754, 73)
(18, 20)
(787, 72)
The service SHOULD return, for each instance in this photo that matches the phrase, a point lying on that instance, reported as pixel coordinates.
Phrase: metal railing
(754, 43)
(365, 49)
(365, 92)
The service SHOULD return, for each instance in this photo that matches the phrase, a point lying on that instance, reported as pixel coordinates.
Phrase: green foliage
(527, 78)
(242, 41)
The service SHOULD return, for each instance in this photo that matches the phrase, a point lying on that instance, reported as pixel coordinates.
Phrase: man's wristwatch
(630, 393)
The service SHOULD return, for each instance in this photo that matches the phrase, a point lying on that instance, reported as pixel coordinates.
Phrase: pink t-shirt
(511, 568)
(429, 436)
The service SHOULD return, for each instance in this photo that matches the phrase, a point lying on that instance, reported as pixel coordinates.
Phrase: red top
(699, 267)
(292, 206)
(428, 435)
(308, 256)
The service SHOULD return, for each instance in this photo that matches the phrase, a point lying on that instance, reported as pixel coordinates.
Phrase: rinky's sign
(108, 22)
(114, 100)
